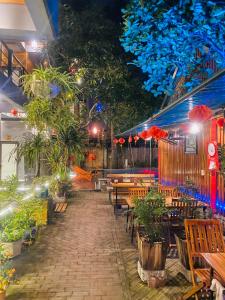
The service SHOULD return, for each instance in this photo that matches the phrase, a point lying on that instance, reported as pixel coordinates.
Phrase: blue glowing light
(99, 107)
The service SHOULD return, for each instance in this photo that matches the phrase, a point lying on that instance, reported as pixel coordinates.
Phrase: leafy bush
(13, 227)
(149, 212)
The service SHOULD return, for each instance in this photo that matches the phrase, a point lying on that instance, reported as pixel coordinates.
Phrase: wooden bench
(60, 207)
(203, 236)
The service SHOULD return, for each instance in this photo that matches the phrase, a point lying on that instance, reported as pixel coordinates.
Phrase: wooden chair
(138, 193)
(203, 236)
(168, 191)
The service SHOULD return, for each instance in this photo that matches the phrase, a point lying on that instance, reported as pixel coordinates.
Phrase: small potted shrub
(151, 234)
(7, 273)
(12, 230)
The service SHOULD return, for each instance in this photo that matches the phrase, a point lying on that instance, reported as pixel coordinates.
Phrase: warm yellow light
(95, 130)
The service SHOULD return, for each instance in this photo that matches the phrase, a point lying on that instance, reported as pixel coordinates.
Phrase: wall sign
(191, 144)
(213, 159)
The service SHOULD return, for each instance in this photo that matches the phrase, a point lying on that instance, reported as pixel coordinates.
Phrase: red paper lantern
(163, 134)
(144, 134)
(115, 141)
(220, 122)
(130, 139)
(121, 141)
(154, 132)
(14, 112)
(136, 138)
(91, 156)
(200, 113)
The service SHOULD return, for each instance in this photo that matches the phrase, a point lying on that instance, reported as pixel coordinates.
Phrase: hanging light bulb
(195, 128)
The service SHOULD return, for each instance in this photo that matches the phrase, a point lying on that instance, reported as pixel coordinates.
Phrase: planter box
(152, 257)
(153, 278)
(2, 295)
(13, 249)
(183, 257)
(182, 251)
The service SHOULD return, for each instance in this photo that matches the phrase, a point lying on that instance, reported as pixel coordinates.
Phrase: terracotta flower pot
(2, 295)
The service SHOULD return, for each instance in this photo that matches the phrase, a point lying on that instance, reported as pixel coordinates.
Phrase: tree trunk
(113, 148)
(38, 166)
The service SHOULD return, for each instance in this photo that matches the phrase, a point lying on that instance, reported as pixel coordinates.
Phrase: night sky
(114, 6)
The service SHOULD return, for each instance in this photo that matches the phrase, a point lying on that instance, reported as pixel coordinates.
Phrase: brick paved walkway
(86, 255)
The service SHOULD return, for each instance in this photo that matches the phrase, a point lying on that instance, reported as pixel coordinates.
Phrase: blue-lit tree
(163, 36)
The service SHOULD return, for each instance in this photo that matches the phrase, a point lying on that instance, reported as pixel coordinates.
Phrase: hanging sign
(213, 159)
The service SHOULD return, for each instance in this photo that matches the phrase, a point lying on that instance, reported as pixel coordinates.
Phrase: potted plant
(7, 273)
(12, 230)
(151, 235)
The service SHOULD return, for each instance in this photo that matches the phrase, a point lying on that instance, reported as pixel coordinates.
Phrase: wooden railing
(10, 65)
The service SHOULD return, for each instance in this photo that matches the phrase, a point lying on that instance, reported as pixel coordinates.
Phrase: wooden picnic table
(216, 261)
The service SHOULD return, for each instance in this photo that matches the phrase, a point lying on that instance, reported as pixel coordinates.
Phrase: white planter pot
(13, 249)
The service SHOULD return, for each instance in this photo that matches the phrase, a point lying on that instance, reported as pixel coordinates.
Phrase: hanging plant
(220, 122)
(200, 113)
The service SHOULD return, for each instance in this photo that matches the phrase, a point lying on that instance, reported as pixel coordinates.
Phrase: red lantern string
(14, 112)
(220, 122)
(164, 134)
(121, 141)
(130, 139)
(200, 113)
(115, 141)
(144, 134)
(154, 132)
(136, 139)
(157, 133)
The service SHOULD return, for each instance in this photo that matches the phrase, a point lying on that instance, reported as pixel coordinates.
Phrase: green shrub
(149, 212)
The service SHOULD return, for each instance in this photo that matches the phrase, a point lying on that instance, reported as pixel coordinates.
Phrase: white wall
(12, 130)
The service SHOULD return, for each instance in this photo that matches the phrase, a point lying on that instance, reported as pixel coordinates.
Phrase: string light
(29, 196)
(46, 184)
(72, 175)
(23, 188)
(37, 188)
(6, 210)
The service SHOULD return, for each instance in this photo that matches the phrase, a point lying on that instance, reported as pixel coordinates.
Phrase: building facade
(26, 26)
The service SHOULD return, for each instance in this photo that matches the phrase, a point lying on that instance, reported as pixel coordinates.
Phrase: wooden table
(127, 185)
(127, 175)
(216, 261)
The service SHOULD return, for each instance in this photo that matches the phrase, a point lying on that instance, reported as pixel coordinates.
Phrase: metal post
(150, 153)
(10, 62)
